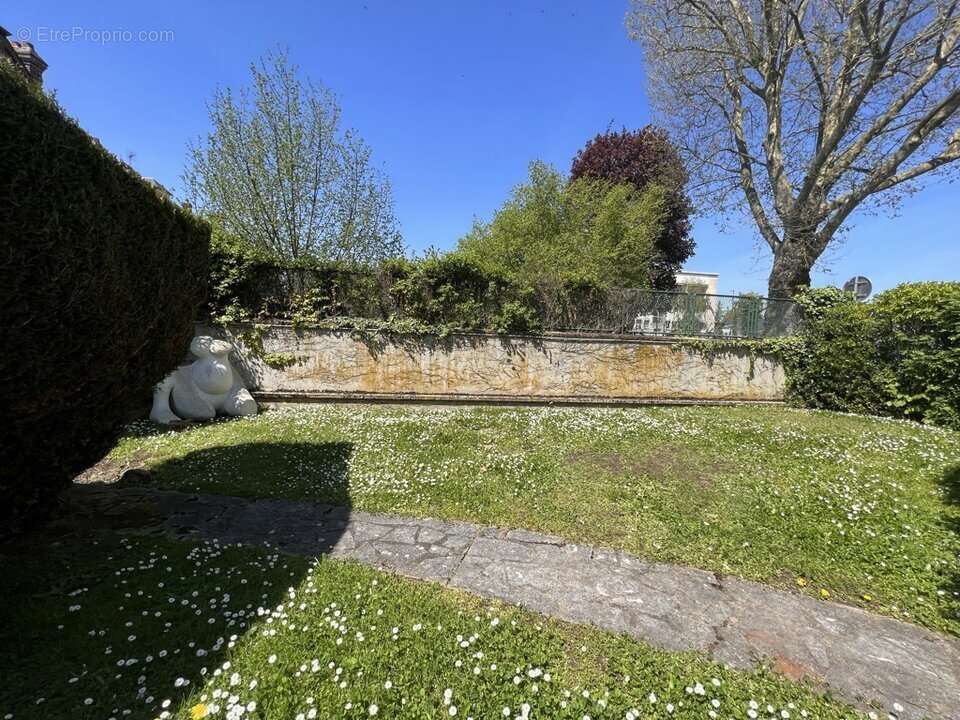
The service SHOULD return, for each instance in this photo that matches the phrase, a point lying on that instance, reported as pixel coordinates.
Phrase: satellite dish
(860, 286)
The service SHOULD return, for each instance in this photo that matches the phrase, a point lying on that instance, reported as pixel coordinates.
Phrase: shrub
(814, 302)
(101, 279)
(840, 366)
(436, 294)
(571, 300)
(322, 290)
(549, 228)
(455, 292)
(237, 283)
(247, 283)
(921, 324)
(516, 318)
(898, 355)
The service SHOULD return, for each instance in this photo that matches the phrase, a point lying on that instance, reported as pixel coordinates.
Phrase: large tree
(642, 158)
(278, 171)
(805, 110)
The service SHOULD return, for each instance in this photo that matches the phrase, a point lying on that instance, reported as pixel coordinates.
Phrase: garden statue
(200, 390)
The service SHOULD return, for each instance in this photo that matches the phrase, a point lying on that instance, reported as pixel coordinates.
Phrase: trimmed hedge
(101, 279)
(921, 345)
(897, 355)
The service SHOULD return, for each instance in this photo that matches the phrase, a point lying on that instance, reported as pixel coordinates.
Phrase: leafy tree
(804, 111)
(587, 228)
(641, 158)
(278, 171)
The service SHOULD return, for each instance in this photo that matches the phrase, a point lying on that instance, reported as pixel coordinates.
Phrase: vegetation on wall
(248, 283)
(455, 291)
(645, 159)
(898, 355)
(435, 295)
(458, 291)
(101, 279)
(553, 255)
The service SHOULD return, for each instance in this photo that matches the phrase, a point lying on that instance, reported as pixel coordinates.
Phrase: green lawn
(864, 509)
(109, 627)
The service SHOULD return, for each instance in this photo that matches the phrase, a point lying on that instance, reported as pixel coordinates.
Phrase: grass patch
(865, 510)
(112, 627)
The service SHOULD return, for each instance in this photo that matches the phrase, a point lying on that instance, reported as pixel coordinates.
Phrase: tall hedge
(897, 355)
(840, 366)
(100, 280)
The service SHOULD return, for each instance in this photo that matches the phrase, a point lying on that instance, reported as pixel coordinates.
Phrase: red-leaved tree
(641, 157)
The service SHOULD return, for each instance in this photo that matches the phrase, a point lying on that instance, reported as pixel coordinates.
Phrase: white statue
(200, 390)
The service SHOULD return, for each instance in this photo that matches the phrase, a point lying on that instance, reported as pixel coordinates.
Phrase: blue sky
(455, 99)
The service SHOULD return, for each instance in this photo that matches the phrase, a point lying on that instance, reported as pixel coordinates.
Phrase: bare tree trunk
(792, 262)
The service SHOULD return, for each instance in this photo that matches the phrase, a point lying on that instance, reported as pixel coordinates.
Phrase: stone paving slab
(859, 656)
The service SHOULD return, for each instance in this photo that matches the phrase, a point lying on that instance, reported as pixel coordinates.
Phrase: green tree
(641, 157)
(588, 228)
(279, 172)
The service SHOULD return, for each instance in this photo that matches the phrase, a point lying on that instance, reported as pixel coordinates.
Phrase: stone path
(859, 656)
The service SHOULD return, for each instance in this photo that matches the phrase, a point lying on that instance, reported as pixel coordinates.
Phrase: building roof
(698, 274)
(23, 55)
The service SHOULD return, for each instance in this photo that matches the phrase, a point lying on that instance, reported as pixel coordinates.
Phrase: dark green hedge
(897, 355)
(435, 294)
(839, 366)
(101, 279)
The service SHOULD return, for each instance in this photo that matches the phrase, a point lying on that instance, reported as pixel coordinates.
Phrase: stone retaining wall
(316, 364)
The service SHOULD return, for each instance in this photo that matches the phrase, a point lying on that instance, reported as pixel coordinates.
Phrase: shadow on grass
(950, 482)
(315, 471)
(104, 604)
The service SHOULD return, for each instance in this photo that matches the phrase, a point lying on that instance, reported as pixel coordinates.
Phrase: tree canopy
(278, 171)
(641, 158)
(587, 228)
(803, 111)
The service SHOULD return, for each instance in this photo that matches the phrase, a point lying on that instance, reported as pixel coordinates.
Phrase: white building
(665, 311)
(698, 282)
